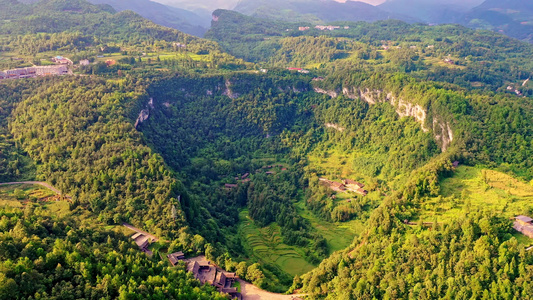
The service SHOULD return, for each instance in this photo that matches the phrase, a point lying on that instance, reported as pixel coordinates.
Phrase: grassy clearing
(523, 240)
(20, 195)
(23, 192)
(175, 56)
(338, 235)
(332, 163)
(472, 188)
(335, 164)
(435, 61)
(265, 244)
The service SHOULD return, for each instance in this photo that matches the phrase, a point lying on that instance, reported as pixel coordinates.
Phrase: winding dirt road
(46, 185)
(251, 292)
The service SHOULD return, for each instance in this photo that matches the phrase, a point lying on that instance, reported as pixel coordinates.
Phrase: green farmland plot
(473, 188)
(265, 244)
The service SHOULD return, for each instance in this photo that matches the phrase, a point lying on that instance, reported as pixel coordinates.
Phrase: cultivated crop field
(15, 195)
(337, 235)
(472, 188)
(265, 244)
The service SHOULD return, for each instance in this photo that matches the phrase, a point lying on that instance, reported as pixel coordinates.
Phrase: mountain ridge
(181, 19)
(316, 11)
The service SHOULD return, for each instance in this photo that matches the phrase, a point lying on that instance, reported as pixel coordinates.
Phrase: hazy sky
(373, 2)
(229, 4)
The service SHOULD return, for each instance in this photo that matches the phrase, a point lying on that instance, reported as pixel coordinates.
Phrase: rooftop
(524, 219)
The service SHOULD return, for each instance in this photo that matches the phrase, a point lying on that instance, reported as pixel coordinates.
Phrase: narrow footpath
(46, 185)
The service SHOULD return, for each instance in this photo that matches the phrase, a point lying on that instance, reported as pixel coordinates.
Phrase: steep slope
(315, 11)
(173, 17)
(88, 26)
(511, 17)
(82, 260)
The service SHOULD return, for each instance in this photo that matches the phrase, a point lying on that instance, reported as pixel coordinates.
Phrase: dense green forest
(43, 257)
(15, 165)
(31, 34)
(95, 154)
(217, 148)
(446, 53)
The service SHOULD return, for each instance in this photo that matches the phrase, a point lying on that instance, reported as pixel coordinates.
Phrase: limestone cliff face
(145, 113)
(332, 94)
(228, 92)
(442, 132)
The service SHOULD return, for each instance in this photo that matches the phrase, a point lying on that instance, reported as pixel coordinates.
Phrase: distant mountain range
(431, 11)
(511, 17)
(316, 11)
(181, 19)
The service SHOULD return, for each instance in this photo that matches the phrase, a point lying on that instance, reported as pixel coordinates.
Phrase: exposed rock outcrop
(332, 94)
(335, 126)
(145, 113)
(442, 131)
(228, 92)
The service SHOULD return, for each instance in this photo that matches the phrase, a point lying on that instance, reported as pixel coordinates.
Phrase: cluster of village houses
(524, 225)
(345, 185)
(203, 270)
(300, 70)
(516, 91)
(208, 273)
(322, 27)
(29, 72)
(55, 70)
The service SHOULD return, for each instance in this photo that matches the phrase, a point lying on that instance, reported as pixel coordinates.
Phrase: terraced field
(472, 188)
(337, 235)
(17, 195)
(265, 244)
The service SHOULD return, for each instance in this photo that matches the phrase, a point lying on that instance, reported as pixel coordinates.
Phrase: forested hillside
(95, 154)
(447, 53)
(511, 17)
(43, 257)
(181, 19)
(360, 161)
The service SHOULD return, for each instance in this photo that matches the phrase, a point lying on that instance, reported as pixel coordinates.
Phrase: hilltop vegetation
(229, 156)
(181, 19)
(46, 257)
(446, 53)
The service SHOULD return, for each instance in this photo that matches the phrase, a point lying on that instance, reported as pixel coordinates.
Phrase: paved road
(46, 185)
